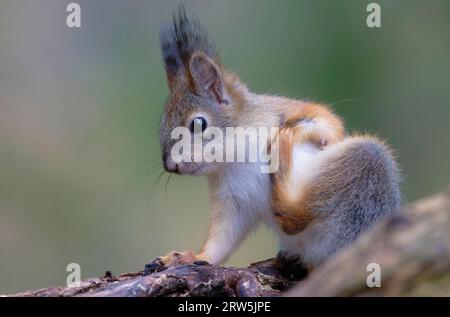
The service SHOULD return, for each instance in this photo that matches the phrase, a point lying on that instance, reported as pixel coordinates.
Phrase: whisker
(142, 176)
(167, 185)
(149, 165)
(156, 183)
(343, 101)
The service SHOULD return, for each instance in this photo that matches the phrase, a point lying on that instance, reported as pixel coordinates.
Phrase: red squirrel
(329, 186)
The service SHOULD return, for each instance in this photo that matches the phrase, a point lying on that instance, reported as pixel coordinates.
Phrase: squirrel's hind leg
(355, 184)
(297, 158)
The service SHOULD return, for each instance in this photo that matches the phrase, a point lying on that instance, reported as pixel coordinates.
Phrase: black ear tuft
(172, 61)
(182, 39)
(190, 36)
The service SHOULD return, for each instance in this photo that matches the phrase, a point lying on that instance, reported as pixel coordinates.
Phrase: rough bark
(198, 280)
(412, 248)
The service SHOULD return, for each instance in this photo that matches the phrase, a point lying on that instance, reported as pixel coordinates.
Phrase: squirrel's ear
(207, 78)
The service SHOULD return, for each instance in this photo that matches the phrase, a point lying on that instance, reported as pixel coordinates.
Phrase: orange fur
(290, 212)
(328, 127)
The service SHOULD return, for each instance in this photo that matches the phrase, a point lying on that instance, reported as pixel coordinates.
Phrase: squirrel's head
(199, 97)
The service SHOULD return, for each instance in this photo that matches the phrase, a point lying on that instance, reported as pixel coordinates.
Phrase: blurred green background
(79, 112)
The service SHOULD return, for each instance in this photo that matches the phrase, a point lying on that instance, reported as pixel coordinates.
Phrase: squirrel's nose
(169, 165)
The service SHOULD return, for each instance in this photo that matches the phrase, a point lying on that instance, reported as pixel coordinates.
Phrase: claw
(155, 266)
(201, 262)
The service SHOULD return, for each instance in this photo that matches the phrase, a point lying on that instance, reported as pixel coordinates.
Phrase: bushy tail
(358, 185)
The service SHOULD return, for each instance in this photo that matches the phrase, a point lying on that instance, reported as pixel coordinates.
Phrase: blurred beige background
(79, 112)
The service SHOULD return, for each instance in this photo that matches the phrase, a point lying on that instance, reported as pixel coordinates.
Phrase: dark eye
(198, 124)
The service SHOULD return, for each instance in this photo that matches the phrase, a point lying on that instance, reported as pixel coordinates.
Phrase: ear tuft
(179, 42)
(172, 61)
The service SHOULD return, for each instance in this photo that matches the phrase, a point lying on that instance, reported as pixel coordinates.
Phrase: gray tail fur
(361, 181)
(358, 185)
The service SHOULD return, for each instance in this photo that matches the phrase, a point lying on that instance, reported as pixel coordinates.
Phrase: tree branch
(199, 279)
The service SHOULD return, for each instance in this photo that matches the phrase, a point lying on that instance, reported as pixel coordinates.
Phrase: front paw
(171, 259)
(319, 133)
